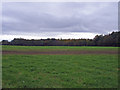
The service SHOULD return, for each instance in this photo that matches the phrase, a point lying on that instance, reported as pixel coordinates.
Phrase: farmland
(67, 67)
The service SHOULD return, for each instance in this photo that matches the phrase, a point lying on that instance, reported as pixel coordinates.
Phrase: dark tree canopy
(99, 40)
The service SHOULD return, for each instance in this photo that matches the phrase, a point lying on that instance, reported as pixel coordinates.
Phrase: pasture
(59, 67)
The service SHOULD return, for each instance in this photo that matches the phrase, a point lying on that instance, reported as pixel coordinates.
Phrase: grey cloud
(59, 17)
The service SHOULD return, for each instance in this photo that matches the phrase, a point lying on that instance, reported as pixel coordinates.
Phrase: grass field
(59, 71)
(24, 48)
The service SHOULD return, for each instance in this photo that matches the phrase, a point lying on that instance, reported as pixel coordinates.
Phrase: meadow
(25, 48)
(59, 71)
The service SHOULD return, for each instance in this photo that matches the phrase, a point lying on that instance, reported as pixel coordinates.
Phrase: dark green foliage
(5, 42)
(108, 40)
(99, 40)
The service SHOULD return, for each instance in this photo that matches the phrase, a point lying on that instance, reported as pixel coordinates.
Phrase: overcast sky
(58, 20)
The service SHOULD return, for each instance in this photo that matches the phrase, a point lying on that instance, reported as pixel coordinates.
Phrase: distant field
(57, 48)
(59, 71)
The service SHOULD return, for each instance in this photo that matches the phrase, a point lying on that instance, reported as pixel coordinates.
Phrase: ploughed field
(59, 67)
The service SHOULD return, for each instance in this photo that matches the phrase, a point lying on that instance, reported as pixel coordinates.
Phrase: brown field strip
(75, 52)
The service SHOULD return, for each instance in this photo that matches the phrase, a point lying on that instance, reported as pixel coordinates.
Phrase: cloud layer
(59, 17)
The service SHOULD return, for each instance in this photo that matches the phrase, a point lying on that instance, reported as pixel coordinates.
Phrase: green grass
(27, 48)
(59, 71)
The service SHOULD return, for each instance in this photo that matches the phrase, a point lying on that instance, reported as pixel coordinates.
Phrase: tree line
(111, 39)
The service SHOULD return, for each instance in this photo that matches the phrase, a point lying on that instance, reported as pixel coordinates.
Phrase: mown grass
(27, 48)
(59, 71)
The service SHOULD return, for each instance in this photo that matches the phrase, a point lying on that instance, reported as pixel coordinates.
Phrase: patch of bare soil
(70, 52)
